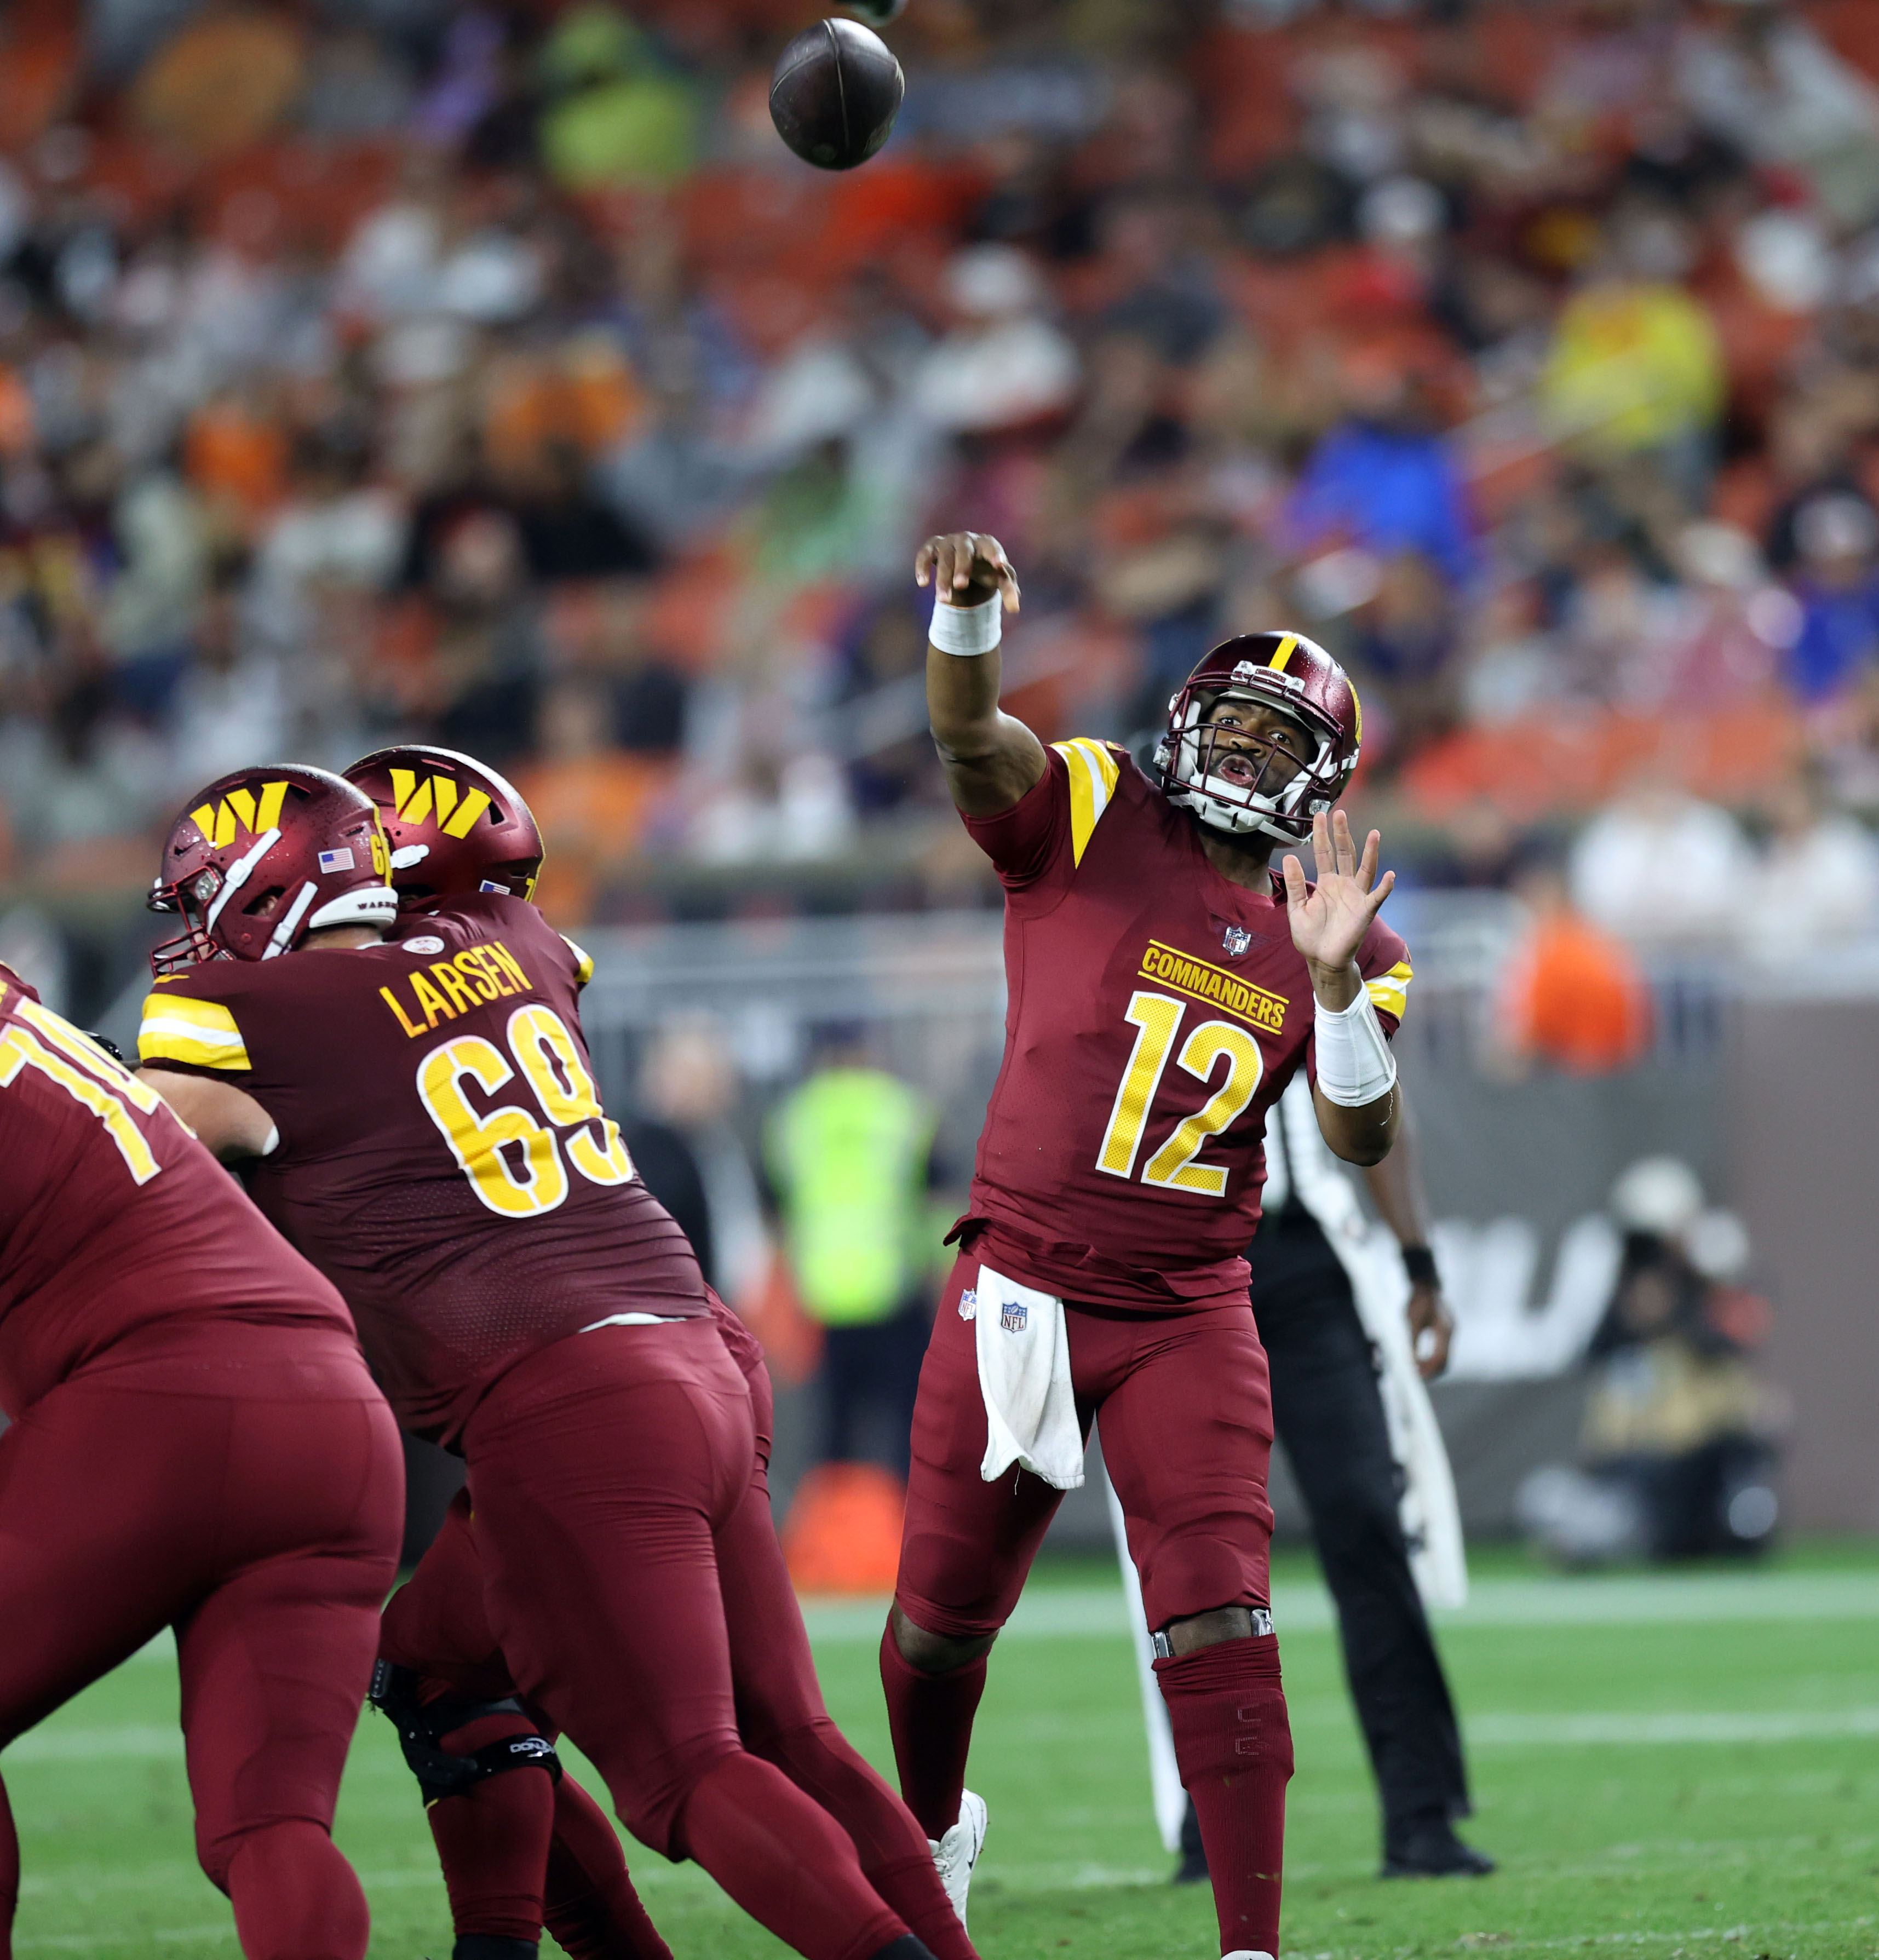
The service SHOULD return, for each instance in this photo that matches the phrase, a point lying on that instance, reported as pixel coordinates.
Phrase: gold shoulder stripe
(1094, 773)
(1390, 992)
(201, 1033)
(583, 962)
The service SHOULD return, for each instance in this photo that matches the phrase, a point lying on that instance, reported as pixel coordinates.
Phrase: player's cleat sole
(1434, 1852)
(957, 1852)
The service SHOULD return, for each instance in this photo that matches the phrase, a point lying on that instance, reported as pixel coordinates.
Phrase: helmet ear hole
(264, 901)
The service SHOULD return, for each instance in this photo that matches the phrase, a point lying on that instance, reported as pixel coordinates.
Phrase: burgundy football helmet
(456, 827)
(1296, 677)
(264, 856)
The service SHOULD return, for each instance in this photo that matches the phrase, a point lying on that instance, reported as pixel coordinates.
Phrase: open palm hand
(1329, 919)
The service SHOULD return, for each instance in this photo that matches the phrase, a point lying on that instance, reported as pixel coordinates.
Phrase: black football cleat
(1432, 1850)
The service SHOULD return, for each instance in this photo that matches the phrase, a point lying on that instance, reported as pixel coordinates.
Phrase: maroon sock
(785, 1861)
(1233, 1742)
(293, 1893)
(589, 1905)
(892, 1848)
(930, 1716)
(492, 1838)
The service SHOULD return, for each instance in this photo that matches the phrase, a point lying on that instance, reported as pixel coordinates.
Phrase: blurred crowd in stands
(490, 373)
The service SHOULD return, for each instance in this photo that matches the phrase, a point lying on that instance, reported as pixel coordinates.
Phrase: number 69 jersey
(443, 1156)
(1157, 1011)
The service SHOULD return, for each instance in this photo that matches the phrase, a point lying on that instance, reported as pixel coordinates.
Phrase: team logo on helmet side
(438, 800)
(240, 810)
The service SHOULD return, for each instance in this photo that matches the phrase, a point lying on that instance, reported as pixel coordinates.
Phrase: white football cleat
(1247, 1953)
(957, 1852)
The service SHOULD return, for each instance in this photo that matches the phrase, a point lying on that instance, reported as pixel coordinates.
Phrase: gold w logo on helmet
(240, 810)
(456, 810)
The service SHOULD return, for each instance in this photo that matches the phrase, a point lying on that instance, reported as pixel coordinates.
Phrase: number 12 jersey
(1157, 1011)
(443, 1155)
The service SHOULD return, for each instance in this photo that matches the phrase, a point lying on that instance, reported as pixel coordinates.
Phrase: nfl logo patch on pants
(1013, 1315)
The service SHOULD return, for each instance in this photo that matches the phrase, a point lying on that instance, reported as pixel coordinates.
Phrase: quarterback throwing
(1165, 985)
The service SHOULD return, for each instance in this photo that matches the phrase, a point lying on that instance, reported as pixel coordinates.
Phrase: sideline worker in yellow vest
(849, 1158)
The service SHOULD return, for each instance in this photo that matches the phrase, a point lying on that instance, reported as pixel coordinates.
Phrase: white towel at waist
(1025, 1376)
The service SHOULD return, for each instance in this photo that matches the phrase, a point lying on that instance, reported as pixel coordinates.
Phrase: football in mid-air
(835, 94)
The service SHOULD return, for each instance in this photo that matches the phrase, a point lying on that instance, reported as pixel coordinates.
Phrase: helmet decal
(455, 828)
(240, 810)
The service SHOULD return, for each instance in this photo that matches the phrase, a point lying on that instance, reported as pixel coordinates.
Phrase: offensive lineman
(428, 1131)
(194, 1444)
(437, 1629)
(1164, 987)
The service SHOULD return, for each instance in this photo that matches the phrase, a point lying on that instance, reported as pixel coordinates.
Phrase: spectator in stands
(1384, 478)
(1635, 368)
(1659, 866)
(1571, 996)
(1837, 581)
(1816, 884)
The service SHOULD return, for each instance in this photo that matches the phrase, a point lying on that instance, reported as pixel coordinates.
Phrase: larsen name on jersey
(443, 1155)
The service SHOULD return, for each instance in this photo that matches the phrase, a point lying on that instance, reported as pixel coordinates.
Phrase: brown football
(835, 94)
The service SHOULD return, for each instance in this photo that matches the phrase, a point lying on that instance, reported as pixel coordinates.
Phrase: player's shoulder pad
(190, 1017)
(1094, 769)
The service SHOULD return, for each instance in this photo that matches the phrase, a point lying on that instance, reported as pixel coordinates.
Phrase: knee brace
(422, 1725)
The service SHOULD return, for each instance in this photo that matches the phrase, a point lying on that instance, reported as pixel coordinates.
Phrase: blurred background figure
(1676, 1459)
(848, 1154)
(1572, 995)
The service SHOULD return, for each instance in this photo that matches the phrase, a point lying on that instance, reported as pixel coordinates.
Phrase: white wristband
(1355, 1064)
(967, 630)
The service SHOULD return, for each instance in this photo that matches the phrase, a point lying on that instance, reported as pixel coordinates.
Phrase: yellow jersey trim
(201, 1033)
(1390, 992)
(1094, 773)
(583, 961)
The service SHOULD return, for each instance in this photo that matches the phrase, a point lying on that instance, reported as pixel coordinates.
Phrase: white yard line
(1644, 1599)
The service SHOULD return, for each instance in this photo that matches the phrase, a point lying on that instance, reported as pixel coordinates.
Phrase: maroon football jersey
(113, 1220)
(1157, 1011)
(443, 1156)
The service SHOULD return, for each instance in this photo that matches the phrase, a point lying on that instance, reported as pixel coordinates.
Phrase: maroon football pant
(437, 1626)
(1185, 1412)
(610, 1476)
(242, 1484)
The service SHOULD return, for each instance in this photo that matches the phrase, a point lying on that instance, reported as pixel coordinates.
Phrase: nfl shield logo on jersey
(1236, 938)
(969, 1303)
(1012, 1316)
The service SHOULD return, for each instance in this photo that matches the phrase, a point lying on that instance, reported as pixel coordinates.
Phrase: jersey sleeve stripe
(583, 961)
(1390, 992)
(1094, 775)
(201, 1033)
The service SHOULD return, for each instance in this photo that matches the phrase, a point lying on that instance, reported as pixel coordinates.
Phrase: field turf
(1672, 1766)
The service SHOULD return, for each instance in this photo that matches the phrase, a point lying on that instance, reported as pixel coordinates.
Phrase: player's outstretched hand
(1329, 919)
(966, 568)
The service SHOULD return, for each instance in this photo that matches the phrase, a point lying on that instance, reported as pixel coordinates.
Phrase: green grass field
(1675, 1766)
